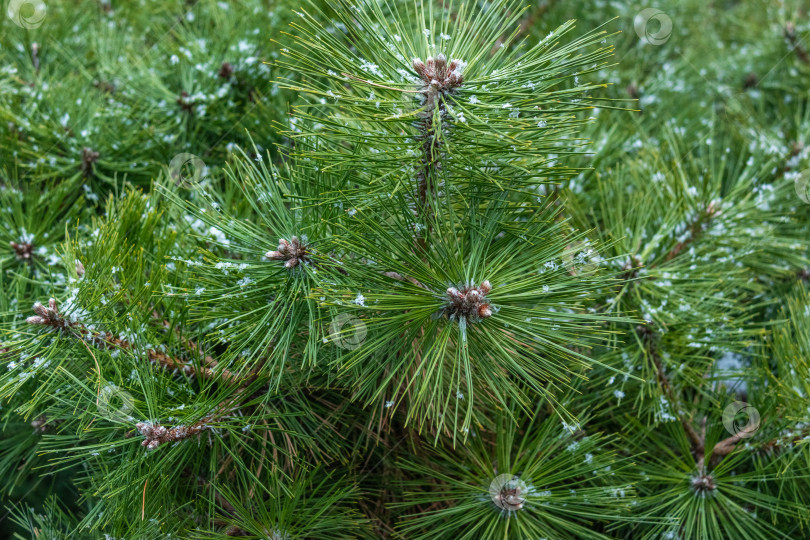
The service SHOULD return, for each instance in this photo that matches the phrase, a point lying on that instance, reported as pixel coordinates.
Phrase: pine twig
(775, 443)
(188, 343)
(399, 277)
(695, 229)
(35, 57)
(727, 445)
(156, 434)
(697, 441)
(50, 317)
(795, 43)
(440, 79)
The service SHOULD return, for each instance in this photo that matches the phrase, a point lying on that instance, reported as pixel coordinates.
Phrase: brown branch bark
(400, 277)
(795, 43)
(775, 443)
(441, 77)
(727, 445)
(49, 316)
(696, 439)
(695, 230)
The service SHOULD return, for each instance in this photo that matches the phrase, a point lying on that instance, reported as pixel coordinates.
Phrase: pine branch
(35, 57)
(727, 445)
(155, 434)
(441, 80)
(648, 338)
(795, 43)
(698, 440)
(696, 228)
(189, 344)
(803, 435)
(408, 279)
(50, 317)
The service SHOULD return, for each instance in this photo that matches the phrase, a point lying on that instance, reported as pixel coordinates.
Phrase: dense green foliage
(404, 269)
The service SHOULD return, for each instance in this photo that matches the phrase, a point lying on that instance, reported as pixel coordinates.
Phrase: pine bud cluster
(294, 252)
(437, 73)
(40, 424)
(48, 316)
(439, 78)
(703, 484)
(22, 250)
(155, 434)
(469, 302)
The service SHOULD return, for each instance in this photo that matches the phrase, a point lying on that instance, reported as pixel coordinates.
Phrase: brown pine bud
(47, 315)
(474, 295)
(40, 310)
(438, 77)
(419, 67)
(40, 424)
(441, 62)
(468, 302)
(293, 251)
(225, 71)
(23, 250)
(751, 81)
(89, 158)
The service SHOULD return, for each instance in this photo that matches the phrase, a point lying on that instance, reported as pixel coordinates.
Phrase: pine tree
(404, 269)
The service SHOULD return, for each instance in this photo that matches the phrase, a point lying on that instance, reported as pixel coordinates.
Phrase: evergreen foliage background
(290, 283)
